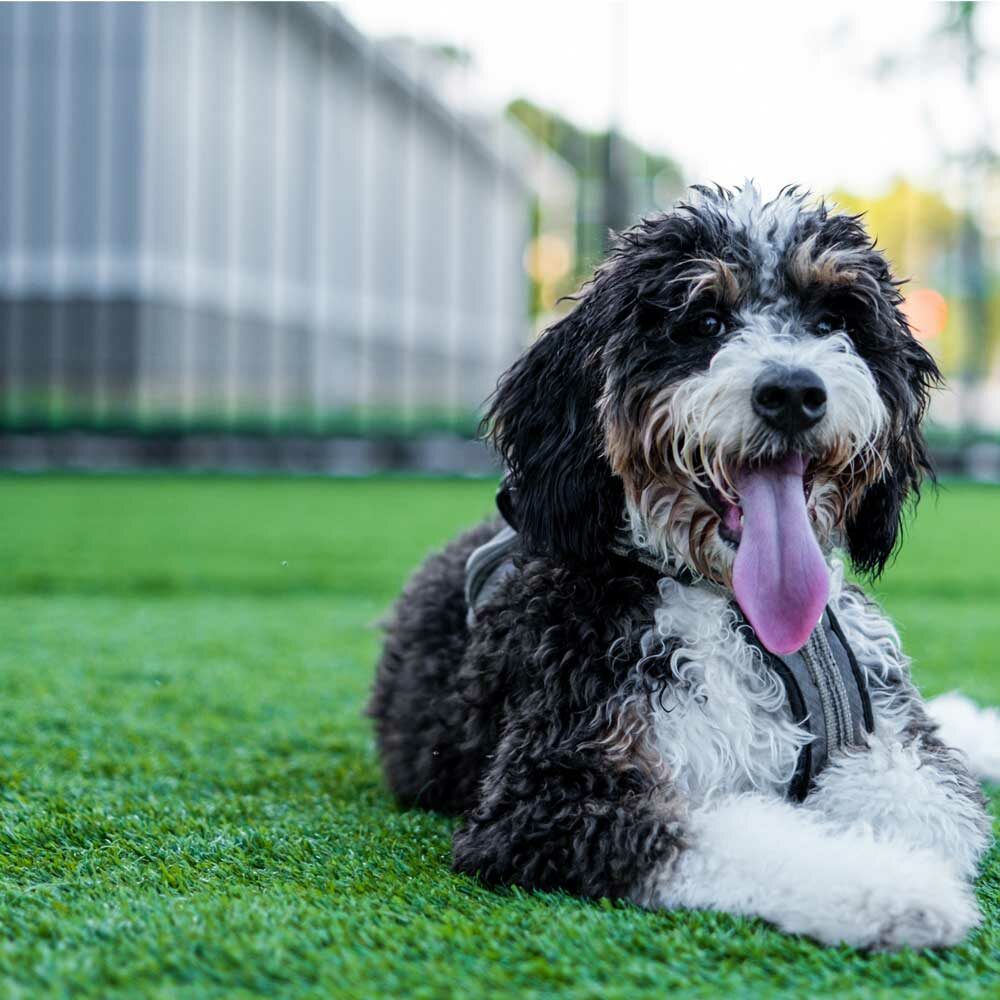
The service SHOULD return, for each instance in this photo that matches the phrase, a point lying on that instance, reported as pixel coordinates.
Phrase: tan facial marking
(711, 275)
(832, 268)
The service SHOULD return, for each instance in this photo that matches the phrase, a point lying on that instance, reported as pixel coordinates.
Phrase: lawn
(190, 798)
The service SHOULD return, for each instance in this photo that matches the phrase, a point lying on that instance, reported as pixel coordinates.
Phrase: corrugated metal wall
(242, 214)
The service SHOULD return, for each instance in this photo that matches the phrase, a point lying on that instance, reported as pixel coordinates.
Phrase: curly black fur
(416, 691)
(514, 730)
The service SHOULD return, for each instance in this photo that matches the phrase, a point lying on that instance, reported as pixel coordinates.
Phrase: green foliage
(922, 235)
(619, 181)
(40, 413)
(191, 803)
(915, 227)
(583, 149)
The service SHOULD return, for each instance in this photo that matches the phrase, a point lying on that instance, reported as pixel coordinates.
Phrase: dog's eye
(709, 325)
(698, 327)
(830, 323)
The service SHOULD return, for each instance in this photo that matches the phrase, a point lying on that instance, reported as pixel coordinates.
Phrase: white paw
(935, 910)
(768, 859)
(938, 923)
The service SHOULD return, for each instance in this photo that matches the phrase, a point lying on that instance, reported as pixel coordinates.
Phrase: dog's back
(419, 711)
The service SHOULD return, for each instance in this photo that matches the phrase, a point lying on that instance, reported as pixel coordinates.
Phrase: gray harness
(827, 694)
(487, 567)
(826, 689)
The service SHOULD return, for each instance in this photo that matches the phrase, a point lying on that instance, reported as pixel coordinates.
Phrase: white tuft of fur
(722, 725)
(972, 730)
(901, 798)
(767, 225)
(765, 858)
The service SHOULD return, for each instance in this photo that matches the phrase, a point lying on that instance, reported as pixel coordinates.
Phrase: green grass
(189, 797)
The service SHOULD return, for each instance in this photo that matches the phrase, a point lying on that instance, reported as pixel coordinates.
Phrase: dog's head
(738, 382)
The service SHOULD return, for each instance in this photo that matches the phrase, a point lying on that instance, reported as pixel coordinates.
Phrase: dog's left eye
(830, 323)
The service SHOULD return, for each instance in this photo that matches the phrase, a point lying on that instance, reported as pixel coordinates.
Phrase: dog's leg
(573, 794)
(917, 793)
(909, 786)
(970, 728)
(767, 858)
(588, 819)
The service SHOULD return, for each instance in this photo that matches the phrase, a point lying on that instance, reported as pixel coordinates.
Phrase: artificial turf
(189, 797)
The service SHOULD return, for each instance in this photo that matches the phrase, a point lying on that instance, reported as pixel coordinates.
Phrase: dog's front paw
(901, 898)
(835, 886)
(938, 921)
(922, 903)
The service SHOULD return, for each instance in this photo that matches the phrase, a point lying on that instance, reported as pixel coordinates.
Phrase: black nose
(789, 399)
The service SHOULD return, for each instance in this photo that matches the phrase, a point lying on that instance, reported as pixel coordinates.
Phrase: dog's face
(739, 383)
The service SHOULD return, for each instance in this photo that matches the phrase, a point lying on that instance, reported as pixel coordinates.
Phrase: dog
(663, 688)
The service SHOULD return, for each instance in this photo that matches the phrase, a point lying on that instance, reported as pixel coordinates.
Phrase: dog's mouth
(780, 578)
(731, 514)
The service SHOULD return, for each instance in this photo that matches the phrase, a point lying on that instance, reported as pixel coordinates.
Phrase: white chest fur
(723, 724)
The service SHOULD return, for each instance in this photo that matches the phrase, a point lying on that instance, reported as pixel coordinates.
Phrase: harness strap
(490, 564)
(827, 694)
(487, 567)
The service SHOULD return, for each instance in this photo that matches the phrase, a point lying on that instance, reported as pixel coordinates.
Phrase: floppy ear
(543, 420)
(905, 383)
(875, 528)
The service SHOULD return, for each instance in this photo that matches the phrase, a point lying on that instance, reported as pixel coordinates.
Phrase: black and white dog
(667, 691)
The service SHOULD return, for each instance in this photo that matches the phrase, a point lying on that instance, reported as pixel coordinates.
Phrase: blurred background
(309, 237)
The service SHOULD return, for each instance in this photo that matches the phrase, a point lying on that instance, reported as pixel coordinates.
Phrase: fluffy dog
(735, 396)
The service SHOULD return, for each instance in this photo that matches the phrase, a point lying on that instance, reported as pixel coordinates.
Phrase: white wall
(304, 228)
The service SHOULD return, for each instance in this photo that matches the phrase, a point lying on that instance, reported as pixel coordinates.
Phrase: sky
(782, 93)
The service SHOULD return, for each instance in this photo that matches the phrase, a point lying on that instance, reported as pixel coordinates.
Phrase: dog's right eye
(699, 327)
(709, 325)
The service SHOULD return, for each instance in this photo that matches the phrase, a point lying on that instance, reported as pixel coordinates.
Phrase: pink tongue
(780, 578)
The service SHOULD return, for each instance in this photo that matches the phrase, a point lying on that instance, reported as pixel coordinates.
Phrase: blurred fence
(244, 216)
(244, 235)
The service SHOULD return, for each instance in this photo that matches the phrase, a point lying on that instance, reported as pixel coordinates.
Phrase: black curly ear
(543, 420)
(874, 530)
(906, 375)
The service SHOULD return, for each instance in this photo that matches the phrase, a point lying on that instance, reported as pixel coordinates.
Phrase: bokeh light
(926, 311)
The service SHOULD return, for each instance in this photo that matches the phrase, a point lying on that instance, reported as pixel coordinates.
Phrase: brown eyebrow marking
(714, 275)
(832, 267)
